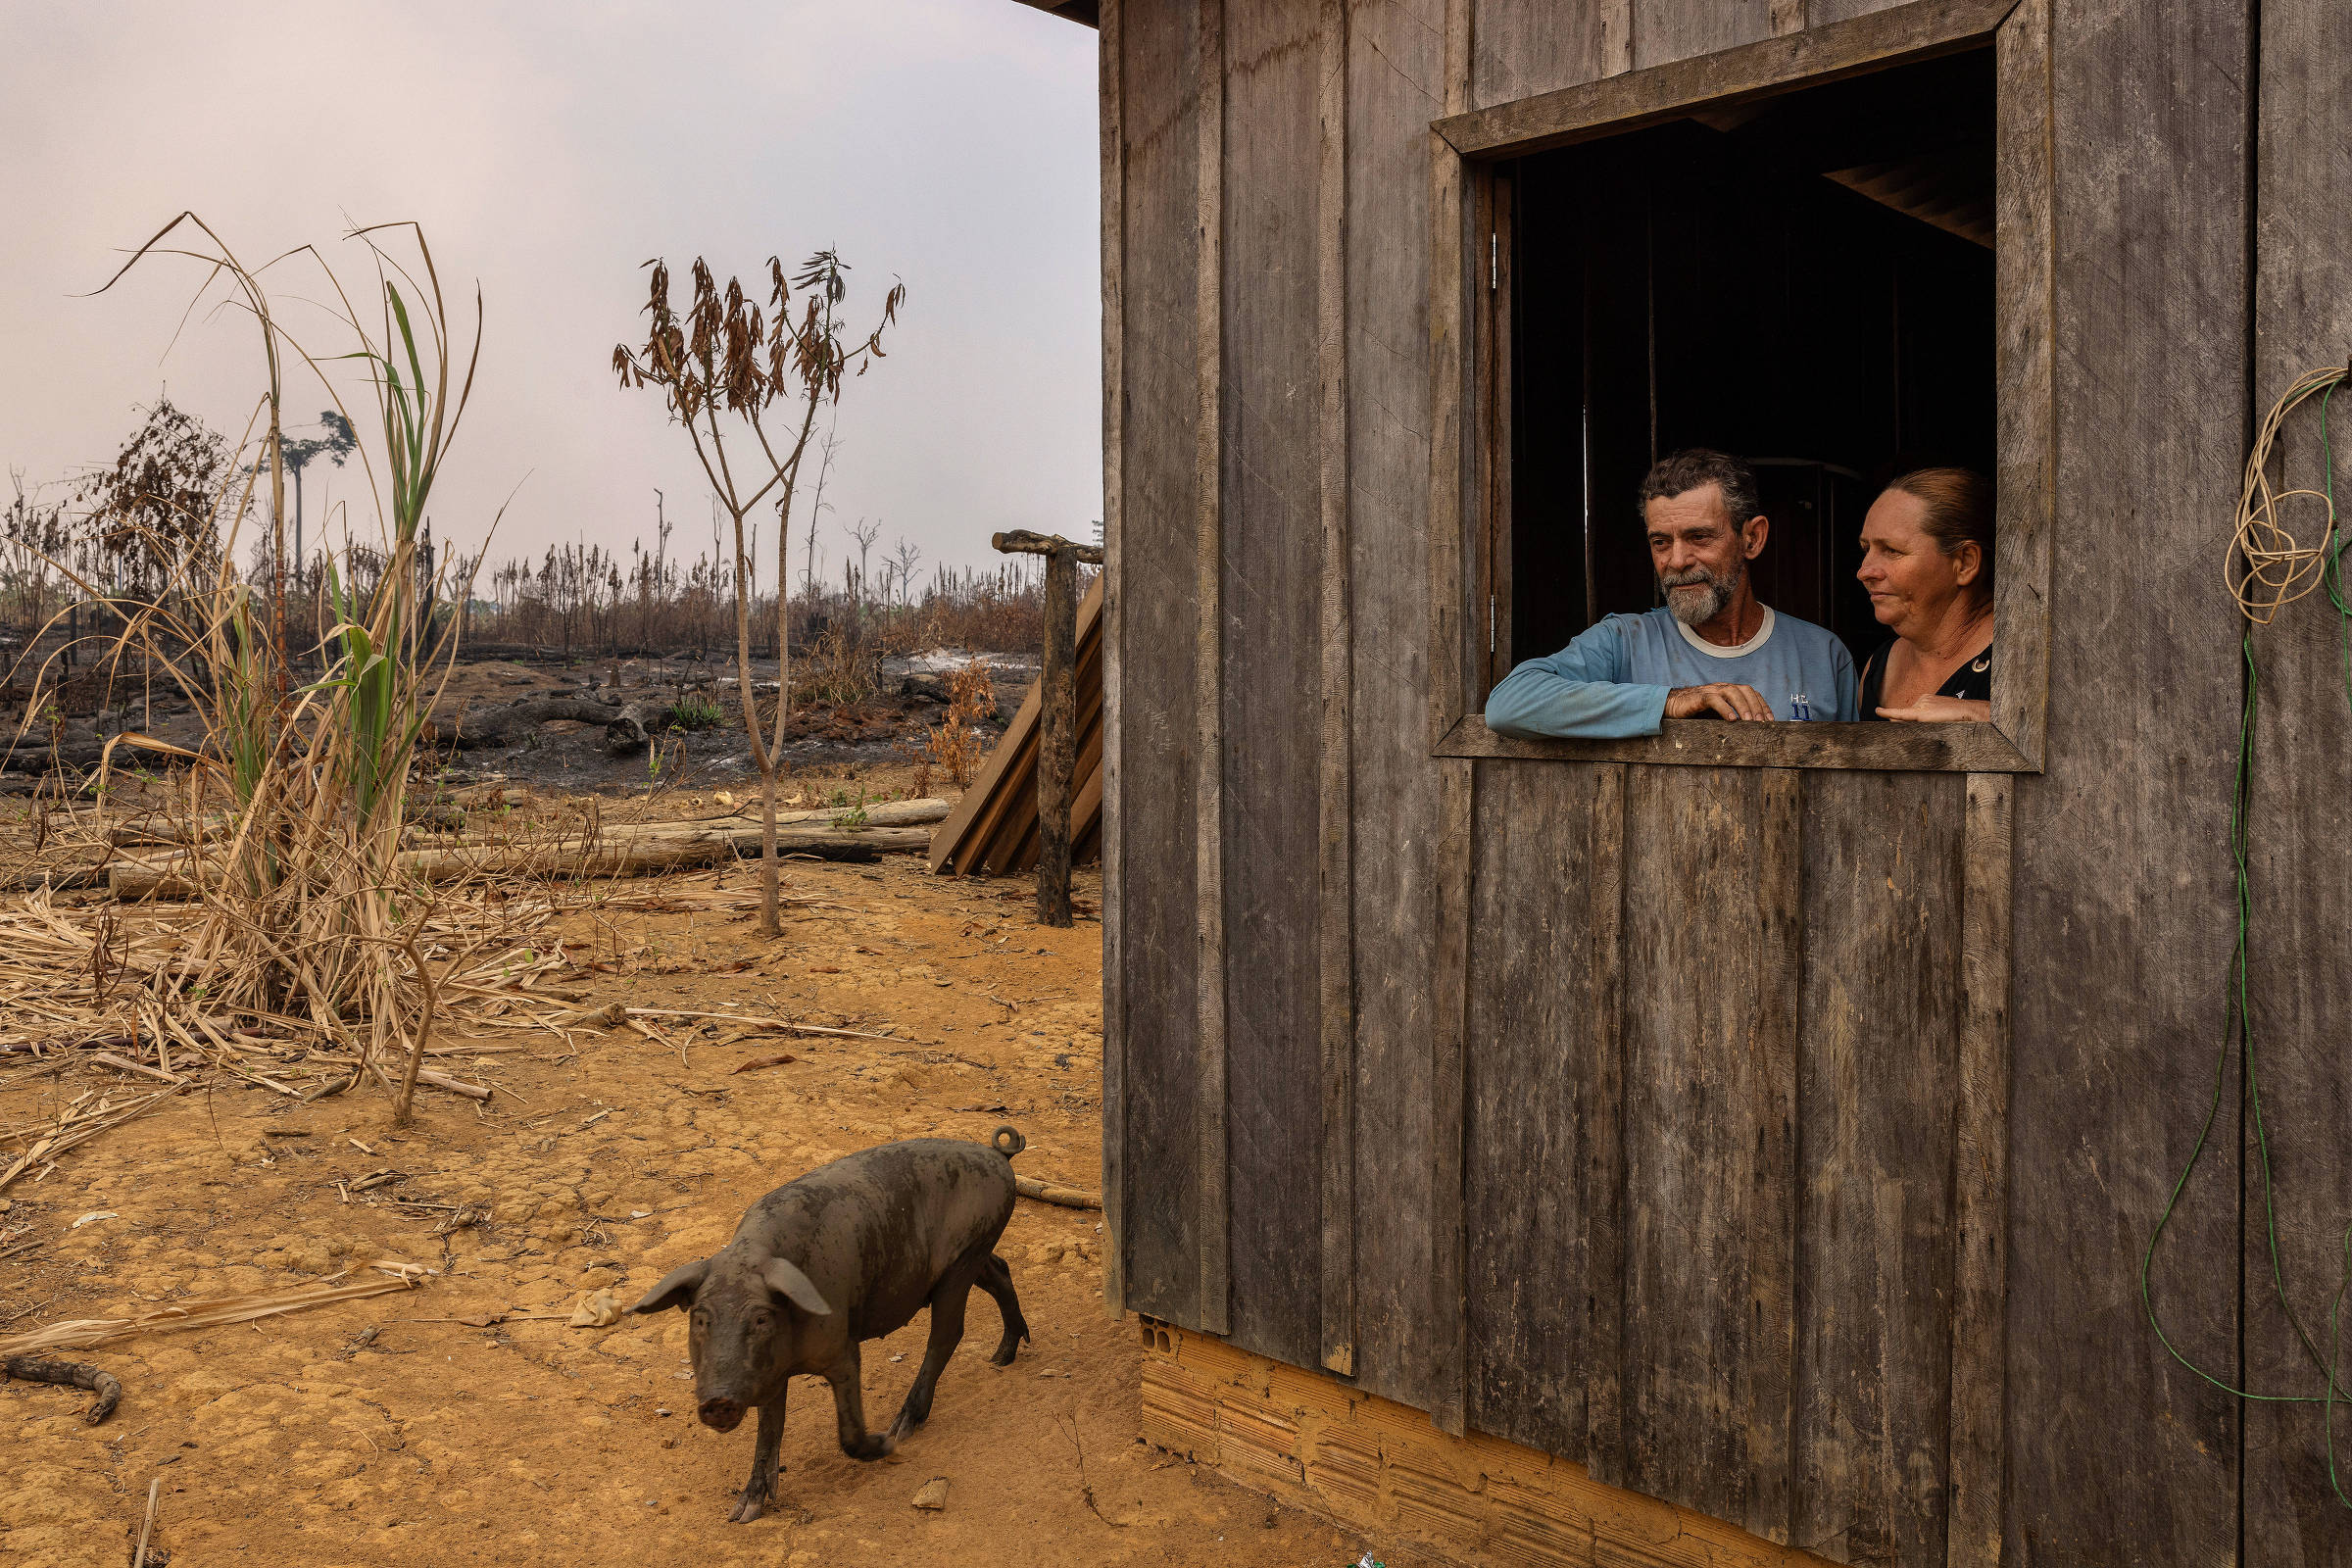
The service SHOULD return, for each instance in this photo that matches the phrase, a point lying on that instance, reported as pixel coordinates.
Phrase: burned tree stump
(1057, 711)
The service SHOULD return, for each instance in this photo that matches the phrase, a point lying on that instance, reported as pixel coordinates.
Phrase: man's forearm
(1532, 704)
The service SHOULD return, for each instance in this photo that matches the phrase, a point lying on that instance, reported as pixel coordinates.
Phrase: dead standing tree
(723, 360)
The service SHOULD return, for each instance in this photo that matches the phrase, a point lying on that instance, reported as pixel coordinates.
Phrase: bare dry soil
(465, 1421)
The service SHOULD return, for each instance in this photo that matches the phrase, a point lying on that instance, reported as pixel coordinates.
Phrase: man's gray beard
(1696, 610)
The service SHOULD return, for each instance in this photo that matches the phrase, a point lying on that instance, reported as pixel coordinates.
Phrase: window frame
(1471, 444)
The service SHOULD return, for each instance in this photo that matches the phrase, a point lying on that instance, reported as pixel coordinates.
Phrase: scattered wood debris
(1051, 1192)
(211, 1312)
(70, 1375)
(783, 1059)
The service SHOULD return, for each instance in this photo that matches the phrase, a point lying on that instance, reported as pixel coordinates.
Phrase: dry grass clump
(955, 746)
(986, 614)
(838, 669)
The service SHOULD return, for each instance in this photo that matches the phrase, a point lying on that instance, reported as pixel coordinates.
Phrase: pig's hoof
(753, 1502)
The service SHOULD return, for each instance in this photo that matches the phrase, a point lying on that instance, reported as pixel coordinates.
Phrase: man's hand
(1722, 700)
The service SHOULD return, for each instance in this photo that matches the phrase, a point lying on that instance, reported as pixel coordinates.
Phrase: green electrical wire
(2237, 1024)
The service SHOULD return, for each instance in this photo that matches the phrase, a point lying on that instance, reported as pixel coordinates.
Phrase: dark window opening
(1805, 281)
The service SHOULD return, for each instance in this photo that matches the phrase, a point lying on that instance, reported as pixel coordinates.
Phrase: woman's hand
(1937, 710)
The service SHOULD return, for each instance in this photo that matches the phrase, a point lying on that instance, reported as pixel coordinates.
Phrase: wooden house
(1739, 1144)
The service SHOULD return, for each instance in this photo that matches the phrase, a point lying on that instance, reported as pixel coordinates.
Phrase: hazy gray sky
(549, 149)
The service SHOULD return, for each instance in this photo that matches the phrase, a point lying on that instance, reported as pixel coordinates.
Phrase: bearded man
(1712, 650)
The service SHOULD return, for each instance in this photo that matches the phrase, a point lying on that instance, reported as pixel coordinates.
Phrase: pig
(845, 1254)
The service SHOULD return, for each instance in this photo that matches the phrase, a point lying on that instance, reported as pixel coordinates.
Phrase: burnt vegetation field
(410, 958)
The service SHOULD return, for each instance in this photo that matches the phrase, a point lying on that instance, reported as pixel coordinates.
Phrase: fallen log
(58, 879)
(878, 813)
(1052, 1192)
(479, 727)
(613, 857)
(210, 1311)
(48, 759)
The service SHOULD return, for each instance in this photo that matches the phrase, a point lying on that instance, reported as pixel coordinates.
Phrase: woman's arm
(1934, 709)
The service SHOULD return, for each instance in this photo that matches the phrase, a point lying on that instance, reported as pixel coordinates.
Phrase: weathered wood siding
(1396, 86)
(1272, 563)
(2300, 942)
(2118, 1455)
(1662, 1116)
(1526, 47)
(1713, 1067)
(1156, 620)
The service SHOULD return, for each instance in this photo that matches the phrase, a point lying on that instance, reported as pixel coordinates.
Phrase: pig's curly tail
(1008, 1141)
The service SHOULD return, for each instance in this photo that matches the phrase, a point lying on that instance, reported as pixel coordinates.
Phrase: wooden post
(1057, 711)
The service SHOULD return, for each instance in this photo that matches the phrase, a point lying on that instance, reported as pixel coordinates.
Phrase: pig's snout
(720, 1414)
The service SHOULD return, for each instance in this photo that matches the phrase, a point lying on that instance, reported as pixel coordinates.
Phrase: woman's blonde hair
(1957, 510)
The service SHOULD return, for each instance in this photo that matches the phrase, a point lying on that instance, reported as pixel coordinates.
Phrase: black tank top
(1970, 682)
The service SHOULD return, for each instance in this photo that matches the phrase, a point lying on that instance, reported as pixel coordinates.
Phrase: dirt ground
(465, 1421)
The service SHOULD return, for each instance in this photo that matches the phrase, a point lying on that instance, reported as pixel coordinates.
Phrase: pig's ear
(785, 1280)
(676, 1288)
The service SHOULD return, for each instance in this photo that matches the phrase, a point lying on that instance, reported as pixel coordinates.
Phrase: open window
(1805, 281)
(1830, 259)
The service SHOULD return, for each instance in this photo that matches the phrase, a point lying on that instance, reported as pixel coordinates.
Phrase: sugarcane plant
(726, 376)
(303, 788)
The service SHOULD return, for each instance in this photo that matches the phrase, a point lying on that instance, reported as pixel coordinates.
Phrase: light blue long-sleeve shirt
(1612, 680)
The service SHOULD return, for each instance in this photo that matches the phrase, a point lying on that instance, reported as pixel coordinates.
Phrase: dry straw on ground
(210, 1312)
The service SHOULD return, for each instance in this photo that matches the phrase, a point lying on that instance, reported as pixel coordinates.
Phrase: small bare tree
(906, 554)
(865, 533)
(720, 367)
(824, 468)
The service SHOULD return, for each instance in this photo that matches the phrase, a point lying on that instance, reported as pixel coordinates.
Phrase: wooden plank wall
(1273, 539)
(1531, 1017)
(1696, 1373)
(1880, 1087)
(2301, 940)
(1526, 47)
(1396, 86)
(1653, 1189)
(2116, 1453)
(1271, 349)
(1274, 407)
(1159, 763)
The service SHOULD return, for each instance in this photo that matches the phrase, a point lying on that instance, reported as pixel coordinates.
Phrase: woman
(1927, 560)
